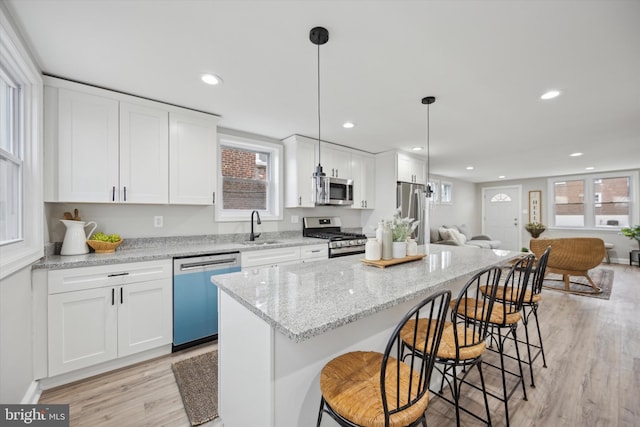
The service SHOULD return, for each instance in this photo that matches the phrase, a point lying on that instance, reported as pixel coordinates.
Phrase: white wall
(464, 209)
(622, 244)
(16, 366)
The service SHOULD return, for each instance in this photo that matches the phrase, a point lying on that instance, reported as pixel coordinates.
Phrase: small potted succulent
(632, 233)
(535, 229)
(401, 229)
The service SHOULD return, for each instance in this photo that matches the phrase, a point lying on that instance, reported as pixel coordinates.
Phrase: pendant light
(319, 36)
(428, 100)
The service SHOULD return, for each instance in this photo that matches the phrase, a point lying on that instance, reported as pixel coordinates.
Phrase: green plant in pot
(632, 233)
(535, 229)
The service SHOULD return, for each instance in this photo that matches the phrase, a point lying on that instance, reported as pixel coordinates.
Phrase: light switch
(158, 221)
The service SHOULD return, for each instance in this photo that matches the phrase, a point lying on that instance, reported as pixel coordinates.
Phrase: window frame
(590, 202)
(274, 211)
(20, 68)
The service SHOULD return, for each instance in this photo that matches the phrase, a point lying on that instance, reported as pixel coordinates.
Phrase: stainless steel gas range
(330, 229)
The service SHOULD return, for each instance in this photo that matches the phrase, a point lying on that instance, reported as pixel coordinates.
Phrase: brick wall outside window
(244, 184)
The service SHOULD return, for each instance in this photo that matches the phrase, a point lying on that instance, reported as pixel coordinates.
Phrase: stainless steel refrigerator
(412, 201)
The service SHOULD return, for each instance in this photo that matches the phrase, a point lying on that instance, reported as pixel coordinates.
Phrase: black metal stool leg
(535, 314)
(484, 393)
(515, 340)
(525, 322)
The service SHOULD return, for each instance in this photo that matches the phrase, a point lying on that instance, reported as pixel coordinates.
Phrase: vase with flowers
(632, 233)
(401, 229)
(535, 229)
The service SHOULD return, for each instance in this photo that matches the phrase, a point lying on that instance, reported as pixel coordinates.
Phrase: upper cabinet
(362, 173)
(105, 147)
(193, 153)
(299, 164)
(411, 169)
(335, 161)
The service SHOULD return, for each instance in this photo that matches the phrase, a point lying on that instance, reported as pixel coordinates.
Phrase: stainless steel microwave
(332, 191)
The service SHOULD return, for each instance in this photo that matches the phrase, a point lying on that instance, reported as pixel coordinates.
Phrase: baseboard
(32, 395)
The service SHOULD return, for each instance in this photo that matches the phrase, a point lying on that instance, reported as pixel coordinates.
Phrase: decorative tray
(388, 262)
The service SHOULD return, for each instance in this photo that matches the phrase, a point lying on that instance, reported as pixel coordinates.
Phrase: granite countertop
(305, 300)
(137, 250)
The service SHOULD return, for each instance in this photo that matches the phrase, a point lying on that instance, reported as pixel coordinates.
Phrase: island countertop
(305, 300)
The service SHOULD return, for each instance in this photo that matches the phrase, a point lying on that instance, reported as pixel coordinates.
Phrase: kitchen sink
(261, 242)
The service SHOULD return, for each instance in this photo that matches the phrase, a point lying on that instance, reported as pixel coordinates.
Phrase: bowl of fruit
(104, 243)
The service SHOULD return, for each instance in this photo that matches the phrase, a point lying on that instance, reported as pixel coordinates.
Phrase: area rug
(602, 277)
(197, 379)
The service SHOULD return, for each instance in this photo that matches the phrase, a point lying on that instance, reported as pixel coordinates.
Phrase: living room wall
(622, 245)
(463, 209)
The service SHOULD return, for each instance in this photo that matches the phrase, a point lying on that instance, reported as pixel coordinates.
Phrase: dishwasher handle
(217, 263)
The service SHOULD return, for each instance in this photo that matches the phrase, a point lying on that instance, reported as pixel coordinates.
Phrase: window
(569, 203)
(500, 198)
(10, 161)
(446, 189)
(250, 179)
(21, 204)
(595, 201)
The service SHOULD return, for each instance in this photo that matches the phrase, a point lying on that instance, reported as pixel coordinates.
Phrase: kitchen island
(280, 325)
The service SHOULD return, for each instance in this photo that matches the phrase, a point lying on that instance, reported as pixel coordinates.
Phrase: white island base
(272, 381)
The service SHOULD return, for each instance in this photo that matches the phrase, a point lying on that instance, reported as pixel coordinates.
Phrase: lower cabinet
(281, 256)
(112, 311)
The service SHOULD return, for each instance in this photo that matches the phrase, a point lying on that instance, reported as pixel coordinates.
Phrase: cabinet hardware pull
(336, 173)
(118, 274)
(125, 193)
(300, 201)
(113, 193)
(315, 251)
(121, 299)
(113, 296)
(214, 198)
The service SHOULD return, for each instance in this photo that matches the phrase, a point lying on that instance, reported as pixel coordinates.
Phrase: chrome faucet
(253, 236)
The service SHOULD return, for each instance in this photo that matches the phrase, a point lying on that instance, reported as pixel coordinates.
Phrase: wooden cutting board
(383, 263)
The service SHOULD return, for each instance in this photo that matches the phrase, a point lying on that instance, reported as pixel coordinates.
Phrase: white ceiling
(487, 62)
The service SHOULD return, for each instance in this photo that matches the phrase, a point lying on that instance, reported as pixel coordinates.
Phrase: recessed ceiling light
(469, 168)
(418, 148)
(211, 79)
(550, 94)
(348, 125)
(575, 154)
(589, 168)
(501, 177)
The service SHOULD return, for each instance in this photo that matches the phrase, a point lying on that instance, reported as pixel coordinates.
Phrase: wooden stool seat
(350, 384)
(509, 294)
(447, 347)
(499, 316)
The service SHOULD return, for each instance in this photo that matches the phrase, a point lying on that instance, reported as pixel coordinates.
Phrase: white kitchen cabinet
(335, 161)
(362, 173)
(97, 314)
(411, 169)
(193, 158)
(270, 257)
(103, 146)
(314, 252)
(144, 154)
(85, 145)
(300, 154)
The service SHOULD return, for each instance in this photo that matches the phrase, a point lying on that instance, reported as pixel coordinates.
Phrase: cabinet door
(87, 147)
(266, 257)
(362, 173)
(336, 162)
(193, 159)
(82, 329)
(300, 163)
(144, 154)
(411, 169)
(144, 316)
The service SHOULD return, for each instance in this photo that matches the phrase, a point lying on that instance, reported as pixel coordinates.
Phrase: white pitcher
(75, 238)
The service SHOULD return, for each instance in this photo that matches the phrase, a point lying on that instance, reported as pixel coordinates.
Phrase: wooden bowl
(104, 247)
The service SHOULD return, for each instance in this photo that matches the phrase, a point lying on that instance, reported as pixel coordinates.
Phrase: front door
(501, 208)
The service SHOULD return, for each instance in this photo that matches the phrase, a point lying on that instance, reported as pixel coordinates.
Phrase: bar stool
(505, 317)
(461, 346)
(366, 388)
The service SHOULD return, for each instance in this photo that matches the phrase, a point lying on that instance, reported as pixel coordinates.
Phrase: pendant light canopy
(428, 100)
(319, 36)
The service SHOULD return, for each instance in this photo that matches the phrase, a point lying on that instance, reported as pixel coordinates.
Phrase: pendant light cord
(319, 155)
(428, 150)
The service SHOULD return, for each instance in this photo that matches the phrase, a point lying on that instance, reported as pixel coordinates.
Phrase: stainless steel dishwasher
(195, 298)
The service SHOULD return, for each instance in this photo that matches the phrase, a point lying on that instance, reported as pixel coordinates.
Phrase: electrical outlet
(158, 221)
(294, 219)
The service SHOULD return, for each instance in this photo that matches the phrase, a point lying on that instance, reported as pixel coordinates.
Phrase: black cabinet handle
(113, 193)
(113, 296)
(118, 274)
(121, 298)
(125, 193)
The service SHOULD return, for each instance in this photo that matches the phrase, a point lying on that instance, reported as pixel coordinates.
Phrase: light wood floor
(592, 379)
